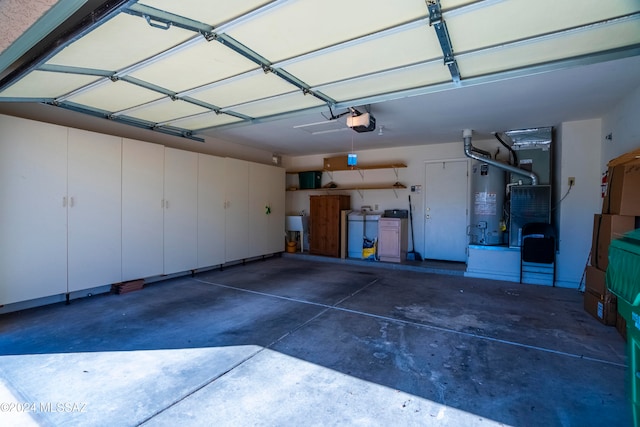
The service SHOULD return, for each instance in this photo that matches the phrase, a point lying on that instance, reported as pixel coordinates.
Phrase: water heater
(487, 204)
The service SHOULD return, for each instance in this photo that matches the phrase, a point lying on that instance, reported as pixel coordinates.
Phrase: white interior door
(446, 210)
(95, 227)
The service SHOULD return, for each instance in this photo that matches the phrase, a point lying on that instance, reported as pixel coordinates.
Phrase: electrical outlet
(572, 181)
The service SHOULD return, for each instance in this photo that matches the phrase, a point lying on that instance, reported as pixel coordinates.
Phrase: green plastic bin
(623, 280)
(310, 179)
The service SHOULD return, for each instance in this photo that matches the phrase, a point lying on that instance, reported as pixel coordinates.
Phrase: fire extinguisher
(603, 185)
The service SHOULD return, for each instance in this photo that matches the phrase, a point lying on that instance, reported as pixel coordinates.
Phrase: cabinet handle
(166, 204)
(64, 201)
(71, 202)
(162, 203)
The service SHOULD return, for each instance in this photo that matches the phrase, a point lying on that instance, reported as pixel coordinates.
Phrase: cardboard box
(596, 280)
(622, 197)
(598, 300)
(625, 158)
(606, 228)
(336, 163)
(602, 307)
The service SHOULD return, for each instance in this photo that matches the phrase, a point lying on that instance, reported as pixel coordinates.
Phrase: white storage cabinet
(94, 210)
(180, 210)
(142, 209)
(211, 210)
(266, 209)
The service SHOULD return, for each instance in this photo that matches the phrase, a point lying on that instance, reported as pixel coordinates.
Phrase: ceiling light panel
(203, 121)
(193, 67)
(254, 86)
(383, 83)
(407, 47)
(449, 4)
(45, 84)
(304, 26)
(326, 126)
(281, 104)
(512, 20)
(120, 42)
(547, 49)
(160, 112)
(212, 12)
(115, 96)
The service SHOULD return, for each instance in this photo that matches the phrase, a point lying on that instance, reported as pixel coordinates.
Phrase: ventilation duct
(534, 153)
(470, 151)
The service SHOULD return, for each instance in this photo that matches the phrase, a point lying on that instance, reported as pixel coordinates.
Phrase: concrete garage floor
(294, 342)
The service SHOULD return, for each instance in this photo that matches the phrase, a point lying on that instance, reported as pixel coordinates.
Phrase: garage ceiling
(278, 74)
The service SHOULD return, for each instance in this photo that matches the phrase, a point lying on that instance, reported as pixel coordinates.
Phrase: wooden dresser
(324, 227)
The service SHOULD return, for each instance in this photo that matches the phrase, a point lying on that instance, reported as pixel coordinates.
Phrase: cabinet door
(266, 209)
(94, 210)
(33, 229)
(259, 200)
(325, 225)
(236, 209)
(277, 196)
(389, 239)
(211, 203)
(142, 209)
(180, 210)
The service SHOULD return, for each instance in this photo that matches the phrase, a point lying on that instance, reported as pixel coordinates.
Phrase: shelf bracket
(395, 170)
(360, 192)
(395, 192)
(361, 172)
(330, 173)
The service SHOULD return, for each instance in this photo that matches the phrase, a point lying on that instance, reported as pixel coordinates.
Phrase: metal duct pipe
(483, 152)
(469, 152)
